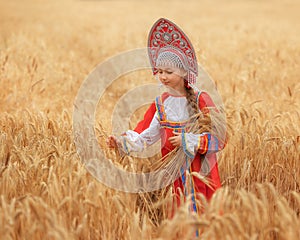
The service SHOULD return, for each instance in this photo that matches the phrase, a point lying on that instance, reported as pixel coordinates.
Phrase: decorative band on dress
(173, 125)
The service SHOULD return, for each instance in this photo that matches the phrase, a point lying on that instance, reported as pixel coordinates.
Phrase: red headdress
(165, 38)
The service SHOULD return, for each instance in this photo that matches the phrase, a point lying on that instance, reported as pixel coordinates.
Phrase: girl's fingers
(111, 141)
(175, 141)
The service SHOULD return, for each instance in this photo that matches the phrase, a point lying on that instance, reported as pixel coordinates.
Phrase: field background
(47, 48)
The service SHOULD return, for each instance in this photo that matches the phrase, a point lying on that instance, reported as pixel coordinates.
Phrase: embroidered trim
(203, 144)
(199, 143)
(213, 143)
(160, 108)
(184, 145)
(193, 192)
(216, 143)
(125, 147)
(183, 180)
(208, 143)
(173, 125)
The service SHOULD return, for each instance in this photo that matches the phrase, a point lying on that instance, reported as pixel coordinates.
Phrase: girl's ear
(182, 72)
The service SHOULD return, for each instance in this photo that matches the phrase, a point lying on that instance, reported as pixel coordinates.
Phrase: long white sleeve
(202, 143)
(135, 142)
(190, 143)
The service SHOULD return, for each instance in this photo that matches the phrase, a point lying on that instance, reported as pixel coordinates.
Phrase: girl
(180, 117)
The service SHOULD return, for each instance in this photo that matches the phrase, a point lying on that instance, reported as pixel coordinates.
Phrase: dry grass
(252, 51)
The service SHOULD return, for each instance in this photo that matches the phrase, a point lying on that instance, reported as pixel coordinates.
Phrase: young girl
(180, 117)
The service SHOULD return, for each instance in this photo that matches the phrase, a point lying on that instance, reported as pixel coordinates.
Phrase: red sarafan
(206, 146)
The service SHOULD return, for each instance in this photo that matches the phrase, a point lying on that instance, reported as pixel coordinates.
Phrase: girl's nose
(163, 76)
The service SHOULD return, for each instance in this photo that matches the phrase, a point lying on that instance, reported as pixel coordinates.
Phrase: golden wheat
(250, 48)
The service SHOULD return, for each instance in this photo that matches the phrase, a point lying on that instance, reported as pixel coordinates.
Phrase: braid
(199, 122)
(191, 101)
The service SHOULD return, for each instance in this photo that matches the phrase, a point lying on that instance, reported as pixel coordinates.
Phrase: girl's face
(172, 78)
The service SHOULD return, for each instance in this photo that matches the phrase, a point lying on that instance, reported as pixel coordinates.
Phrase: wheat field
(47, 48)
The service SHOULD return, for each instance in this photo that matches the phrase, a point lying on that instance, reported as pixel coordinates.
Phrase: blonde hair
(199, 121)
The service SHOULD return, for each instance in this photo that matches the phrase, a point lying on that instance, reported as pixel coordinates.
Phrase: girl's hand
(176, 139)
(112, 142)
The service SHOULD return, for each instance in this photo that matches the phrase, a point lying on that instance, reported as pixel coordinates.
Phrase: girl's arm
(132, 141)
(202, 143)
(146, 133)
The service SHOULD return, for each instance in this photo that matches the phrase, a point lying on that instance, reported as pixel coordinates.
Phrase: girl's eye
(162, 71)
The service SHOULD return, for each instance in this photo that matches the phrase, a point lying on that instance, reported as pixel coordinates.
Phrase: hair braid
(191, 101)
(199, 121)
